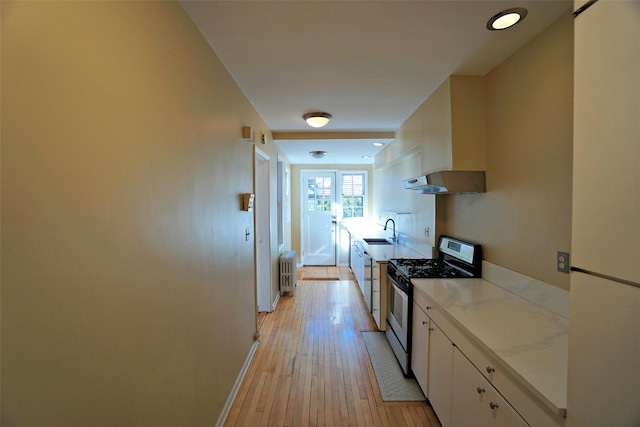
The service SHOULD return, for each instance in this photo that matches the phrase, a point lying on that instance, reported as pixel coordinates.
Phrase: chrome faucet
(394, 238)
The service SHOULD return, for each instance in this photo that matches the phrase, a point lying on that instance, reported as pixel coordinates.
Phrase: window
(353, 194)
(319, 193)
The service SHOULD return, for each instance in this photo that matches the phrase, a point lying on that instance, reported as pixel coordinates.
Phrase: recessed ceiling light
(317, 119)
(506, 19)
(317, 154)
(379, 144)
(366, 157)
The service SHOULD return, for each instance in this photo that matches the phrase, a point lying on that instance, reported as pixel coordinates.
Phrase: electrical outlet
(563, 262)
(426, 231)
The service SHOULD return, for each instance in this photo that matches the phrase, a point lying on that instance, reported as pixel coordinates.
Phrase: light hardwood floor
(312, 367)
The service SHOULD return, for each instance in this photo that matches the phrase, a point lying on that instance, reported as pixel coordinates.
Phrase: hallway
(312, 367)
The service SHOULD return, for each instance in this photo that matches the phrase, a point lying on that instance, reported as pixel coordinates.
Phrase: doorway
(318, 205)
(262, 231)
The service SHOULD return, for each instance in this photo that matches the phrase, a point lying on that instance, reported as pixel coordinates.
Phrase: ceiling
(370, 64)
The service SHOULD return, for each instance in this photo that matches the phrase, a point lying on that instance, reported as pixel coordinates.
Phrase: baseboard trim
(275, 302)
(236, 387)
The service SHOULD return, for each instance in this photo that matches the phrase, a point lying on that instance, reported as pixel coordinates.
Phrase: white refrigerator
(604, 332)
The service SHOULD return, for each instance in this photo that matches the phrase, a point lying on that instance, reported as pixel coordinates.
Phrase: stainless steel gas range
(457, 259)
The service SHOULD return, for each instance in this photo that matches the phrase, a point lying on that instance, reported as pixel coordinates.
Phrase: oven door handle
(397, 285)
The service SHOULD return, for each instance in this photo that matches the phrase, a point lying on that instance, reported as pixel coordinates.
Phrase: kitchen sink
(377, 241)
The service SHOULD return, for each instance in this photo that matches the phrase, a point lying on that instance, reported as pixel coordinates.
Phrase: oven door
(398, 318)
(398, 313)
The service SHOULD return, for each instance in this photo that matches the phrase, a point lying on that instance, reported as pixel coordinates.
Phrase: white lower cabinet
(379, 294)
(440, 373)
(475, 402)
(432, 362)
(375, 292)
(420, 347)
(450, 369)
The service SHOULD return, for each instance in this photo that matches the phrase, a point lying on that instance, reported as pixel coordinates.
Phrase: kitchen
(523, 219)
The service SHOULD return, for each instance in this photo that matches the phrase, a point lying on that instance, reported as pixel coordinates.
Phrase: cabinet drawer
(375, 276)
(436, 313)
(421, 299)
(529, 406)
(476, 401)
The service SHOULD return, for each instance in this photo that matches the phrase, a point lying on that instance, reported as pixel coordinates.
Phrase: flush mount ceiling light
(379, 144)
(506, 19)
(317, 119)
(317, 154)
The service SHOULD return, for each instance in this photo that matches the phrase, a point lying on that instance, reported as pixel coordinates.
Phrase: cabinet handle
(432, 329)
(493, 405)
(428, 307)
(375, 291)
(490, 369)
(480, 390)
(424, 322)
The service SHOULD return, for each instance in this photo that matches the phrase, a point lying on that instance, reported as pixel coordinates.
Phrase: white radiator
(288, 271)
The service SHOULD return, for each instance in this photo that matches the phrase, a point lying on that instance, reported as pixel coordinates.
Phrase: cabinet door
(360, 271)
(440, 374)
(475, 402)
(501, 413)
(353, 255)
(469, 402)
(420, 347)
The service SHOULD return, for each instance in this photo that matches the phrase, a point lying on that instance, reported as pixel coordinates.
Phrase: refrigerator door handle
(604, 276)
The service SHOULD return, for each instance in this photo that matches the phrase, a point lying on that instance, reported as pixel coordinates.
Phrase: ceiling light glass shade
(506, 18)
(317, 120)
(317, 154)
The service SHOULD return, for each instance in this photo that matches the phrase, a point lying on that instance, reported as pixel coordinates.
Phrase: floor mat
(392, 382)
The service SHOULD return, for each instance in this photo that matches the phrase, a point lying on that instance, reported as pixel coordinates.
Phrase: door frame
(262, 227)
(303, 207)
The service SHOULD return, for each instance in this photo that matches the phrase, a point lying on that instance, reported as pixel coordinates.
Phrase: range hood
(448, 182)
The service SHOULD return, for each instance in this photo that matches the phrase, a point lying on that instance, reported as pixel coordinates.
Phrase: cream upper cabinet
(606, 164)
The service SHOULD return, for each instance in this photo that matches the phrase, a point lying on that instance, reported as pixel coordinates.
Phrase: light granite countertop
(383, 253)
(530, 340)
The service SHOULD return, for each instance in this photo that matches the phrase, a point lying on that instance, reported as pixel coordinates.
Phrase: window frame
(365, 192)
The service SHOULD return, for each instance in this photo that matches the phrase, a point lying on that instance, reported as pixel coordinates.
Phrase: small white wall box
(247, 133)
(247, 202)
